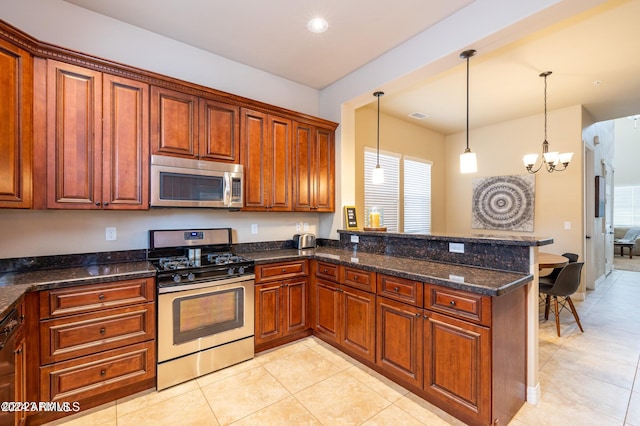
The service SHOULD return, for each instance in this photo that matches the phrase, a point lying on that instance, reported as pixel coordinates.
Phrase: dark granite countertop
(13, 285)
(506, 240)
(478, 280)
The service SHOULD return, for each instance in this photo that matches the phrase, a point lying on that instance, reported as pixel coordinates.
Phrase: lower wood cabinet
(344, 315)
(281, 303)
(93, 343)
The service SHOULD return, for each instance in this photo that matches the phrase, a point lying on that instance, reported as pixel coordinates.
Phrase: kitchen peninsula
(442, 324)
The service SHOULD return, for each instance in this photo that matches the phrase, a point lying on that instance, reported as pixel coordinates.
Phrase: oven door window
(207, 314)
(178, 186)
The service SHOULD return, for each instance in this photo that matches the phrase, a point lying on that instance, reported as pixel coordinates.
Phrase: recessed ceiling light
(317, 25)
(418, 115)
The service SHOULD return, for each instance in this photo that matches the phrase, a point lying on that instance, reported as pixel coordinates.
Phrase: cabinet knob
(425, 316)
(106, 203)
(452, 303)
(396, 289)
(101, 296)
(102, 330)
(324, 271)
(355, 278)
(98, 203)
(418, 314)
(103, 372)
(284, 270)
(18, 351)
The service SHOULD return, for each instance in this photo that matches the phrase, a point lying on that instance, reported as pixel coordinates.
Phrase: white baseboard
(534, 394)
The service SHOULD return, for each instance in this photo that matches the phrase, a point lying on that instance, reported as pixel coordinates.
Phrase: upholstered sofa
(620, 233)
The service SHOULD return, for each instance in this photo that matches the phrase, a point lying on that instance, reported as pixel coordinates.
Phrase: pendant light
(377, 177)
(549, 159)
(468, 161)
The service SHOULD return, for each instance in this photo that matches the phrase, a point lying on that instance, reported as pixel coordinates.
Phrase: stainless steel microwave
(183, 182)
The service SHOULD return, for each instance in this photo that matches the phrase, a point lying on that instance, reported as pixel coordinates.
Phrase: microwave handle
(227, 189)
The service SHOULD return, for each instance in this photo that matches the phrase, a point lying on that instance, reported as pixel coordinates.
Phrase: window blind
(626, 206)
(417, 196)
(386, 195)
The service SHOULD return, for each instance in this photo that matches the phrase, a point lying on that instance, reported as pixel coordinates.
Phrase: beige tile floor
(586, 379)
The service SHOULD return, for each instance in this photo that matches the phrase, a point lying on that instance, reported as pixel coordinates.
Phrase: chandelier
(550, 160)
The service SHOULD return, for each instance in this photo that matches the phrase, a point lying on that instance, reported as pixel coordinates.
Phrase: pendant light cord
(378, 150)
(467, 150)
(545, 105)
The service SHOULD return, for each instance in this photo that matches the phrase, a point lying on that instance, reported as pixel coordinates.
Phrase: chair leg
(546, 307)
(557, 312)
(575, 313)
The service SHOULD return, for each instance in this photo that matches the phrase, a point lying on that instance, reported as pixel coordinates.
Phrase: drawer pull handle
(396, 289)
(102, 330)
(101, 296)
(452, 303)
(103, 372)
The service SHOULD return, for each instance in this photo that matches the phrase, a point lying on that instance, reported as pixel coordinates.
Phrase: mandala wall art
(504, 203)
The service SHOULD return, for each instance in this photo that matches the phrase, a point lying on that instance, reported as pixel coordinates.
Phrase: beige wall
(499, 148)
(407, 139)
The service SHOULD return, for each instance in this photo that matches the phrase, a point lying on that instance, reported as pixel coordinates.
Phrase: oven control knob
(191, 277)
(177, 278)
(230, 271)
(241, 270)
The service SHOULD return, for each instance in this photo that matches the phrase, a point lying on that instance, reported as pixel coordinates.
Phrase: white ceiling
(271, 35)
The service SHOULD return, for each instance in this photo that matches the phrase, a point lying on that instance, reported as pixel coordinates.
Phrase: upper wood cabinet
(16, 85)
(314, 168)
(266, 156)
(185, 125)
(97, 140)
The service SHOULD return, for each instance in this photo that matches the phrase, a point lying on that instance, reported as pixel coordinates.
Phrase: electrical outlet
(254, 228)
(305, 226)
(567, 225)
(456, 247)
(355, 239)
(110, 233)
(297, 226)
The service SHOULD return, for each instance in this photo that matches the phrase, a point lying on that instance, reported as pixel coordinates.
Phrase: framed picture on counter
(350, 217)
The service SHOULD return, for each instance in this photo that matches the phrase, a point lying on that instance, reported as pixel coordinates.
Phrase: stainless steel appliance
(183, 182)
(205, 303)
(304, 241)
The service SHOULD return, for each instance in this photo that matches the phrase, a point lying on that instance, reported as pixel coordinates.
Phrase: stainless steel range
(205, 303)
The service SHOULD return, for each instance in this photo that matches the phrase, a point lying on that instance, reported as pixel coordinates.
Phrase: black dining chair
(565, 285)
(551, 277)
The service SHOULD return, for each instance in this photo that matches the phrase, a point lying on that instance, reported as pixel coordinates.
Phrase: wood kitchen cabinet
(20, 355)
(97, 139)
(96, 342)
(266, 146)
(314, 168)
(444, 344)
(344, 309)
(16, 87)
(281, 303)
(185, 125)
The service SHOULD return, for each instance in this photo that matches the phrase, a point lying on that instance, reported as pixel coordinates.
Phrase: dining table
(550, 260)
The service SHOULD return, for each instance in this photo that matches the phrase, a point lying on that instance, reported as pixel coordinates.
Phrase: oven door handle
(205, 284)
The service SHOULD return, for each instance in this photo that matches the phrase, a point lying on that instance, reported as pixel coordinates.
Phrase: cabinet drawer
(78, 335)
(328, 271)
(459, 303)
(358, 278)
(89, 298)
(400, 289)
(98, 374)
(280, 271)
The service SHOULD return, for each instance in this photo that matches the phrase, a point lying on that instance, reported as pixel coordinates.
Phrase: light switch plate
(305, 226)
(110, 233)
(254, 228)
(456, 247)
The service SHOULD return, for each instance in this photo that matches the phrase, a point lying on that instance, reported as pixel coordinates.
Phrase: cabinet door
(74, 137)
(399, 340)
(254, 150)
(303, 152)
(295, 311)
(125, 141)
(457, 360)
(324, 171)
(268, 312)
(219, 131)
(174, 123)
(280, 164)
(21, 374)
(16, 81)
(358, 332)
(326, 315)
